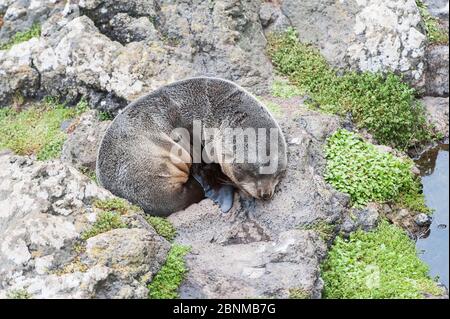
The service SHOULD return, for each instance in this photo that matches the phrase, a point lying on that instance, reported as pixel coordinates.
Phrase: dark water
(434, 245)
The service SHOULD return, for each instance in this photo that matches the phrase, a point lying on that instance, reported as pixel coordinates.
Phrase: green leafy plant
(435, 32)
(105, 116)
(285, 90)
(33, 32)
(162, 226)
(298, 293)
(167, 281)
(19, 294)
(324, 229)
(378, 264)
(118, 205)
(106, 221)
(35, 130)
(359, 169)
(382, 104)
(89, 173)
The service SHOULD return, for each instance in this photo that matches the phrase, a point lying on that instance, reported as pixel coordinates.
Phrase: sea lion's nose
(266, 196)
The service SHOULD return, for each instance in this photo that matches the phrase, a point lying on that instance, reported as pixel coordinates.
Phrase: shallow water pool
(434, 245)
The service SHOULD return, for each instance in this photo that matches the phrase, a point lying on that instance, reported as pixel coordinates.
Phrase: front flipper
(221, 194)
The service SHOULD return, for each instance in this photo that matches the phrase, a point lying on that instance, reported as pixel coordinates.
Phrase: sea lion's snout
(267, 195)
(266, 191)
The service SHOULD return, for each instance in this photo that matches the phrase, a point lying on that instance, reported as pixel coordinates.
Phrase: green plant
(118, 205)
(162, 226)
(33, 32)
(378, 264)
(324, 229)
(106, 221)
(298, 293)
(359, 169)
(105, 116)
(19, 294)
(285, 90)
(81, 107)
(89, 173)
(435, 32)
(167, 281)
(382, 104)
(35, 130)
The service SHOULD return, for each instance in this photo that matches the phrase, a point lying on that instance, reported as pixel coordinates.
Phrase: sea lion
(135, 158)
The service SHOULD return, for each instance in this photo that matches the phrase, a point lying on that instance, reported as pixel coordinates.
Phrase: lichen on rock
(44, 209)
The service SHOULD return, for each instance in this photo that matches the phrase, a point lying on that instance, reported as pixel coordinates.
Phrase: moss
(76, 265)
(285, 90)
(117, 205)
(378, 264)
(382, 104)
(436, 33)
(33, 32)
(298, 293)
(105, 116)
(357, 168)
(19, 294)
(167, 281)
(36, 130)
(162, 226)
(324, 229)
(106, 221)
(89, 173)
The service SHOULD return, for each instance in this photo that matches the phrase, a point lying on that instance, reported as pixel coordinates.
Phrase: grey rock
(365, 219)
(320, 127)
(272, 18)
(134, 255)
(368, 217)
(437, 70)
(20, 15)
(366, 35)
(77, 56)
(44, 209)
(17, 72)
(126, 28)
(438, 8)
(348, 226)
(261, 249)
(422, 220)
(437, 109)
(123, 21)
(80, 148)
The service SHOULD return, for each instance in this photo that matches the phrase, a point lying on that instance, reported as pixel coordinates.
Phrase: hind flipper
(221, 194)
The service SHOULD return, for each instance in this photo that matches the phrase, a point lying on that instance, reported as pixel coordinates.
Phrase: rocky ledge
(46, 209)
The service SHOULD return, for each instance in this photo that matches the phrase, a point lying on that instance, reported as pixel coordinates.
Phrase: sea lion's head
(257, 178)
(247, 179)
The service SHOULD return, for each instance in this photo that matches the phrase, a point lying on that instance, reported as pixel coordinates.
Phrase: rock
(437, 71)
(438, 8)
(17, 72)
(127, 29)
(320, 127)
(21, 15)
(368, 217)
(134, 255)
(365, 219)
(437, 109)
(79, 56)
(123, 21)
(80, 148)
(265, 248)
(365, 35)
(272, 18)
(423, 220)
(44, 208)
